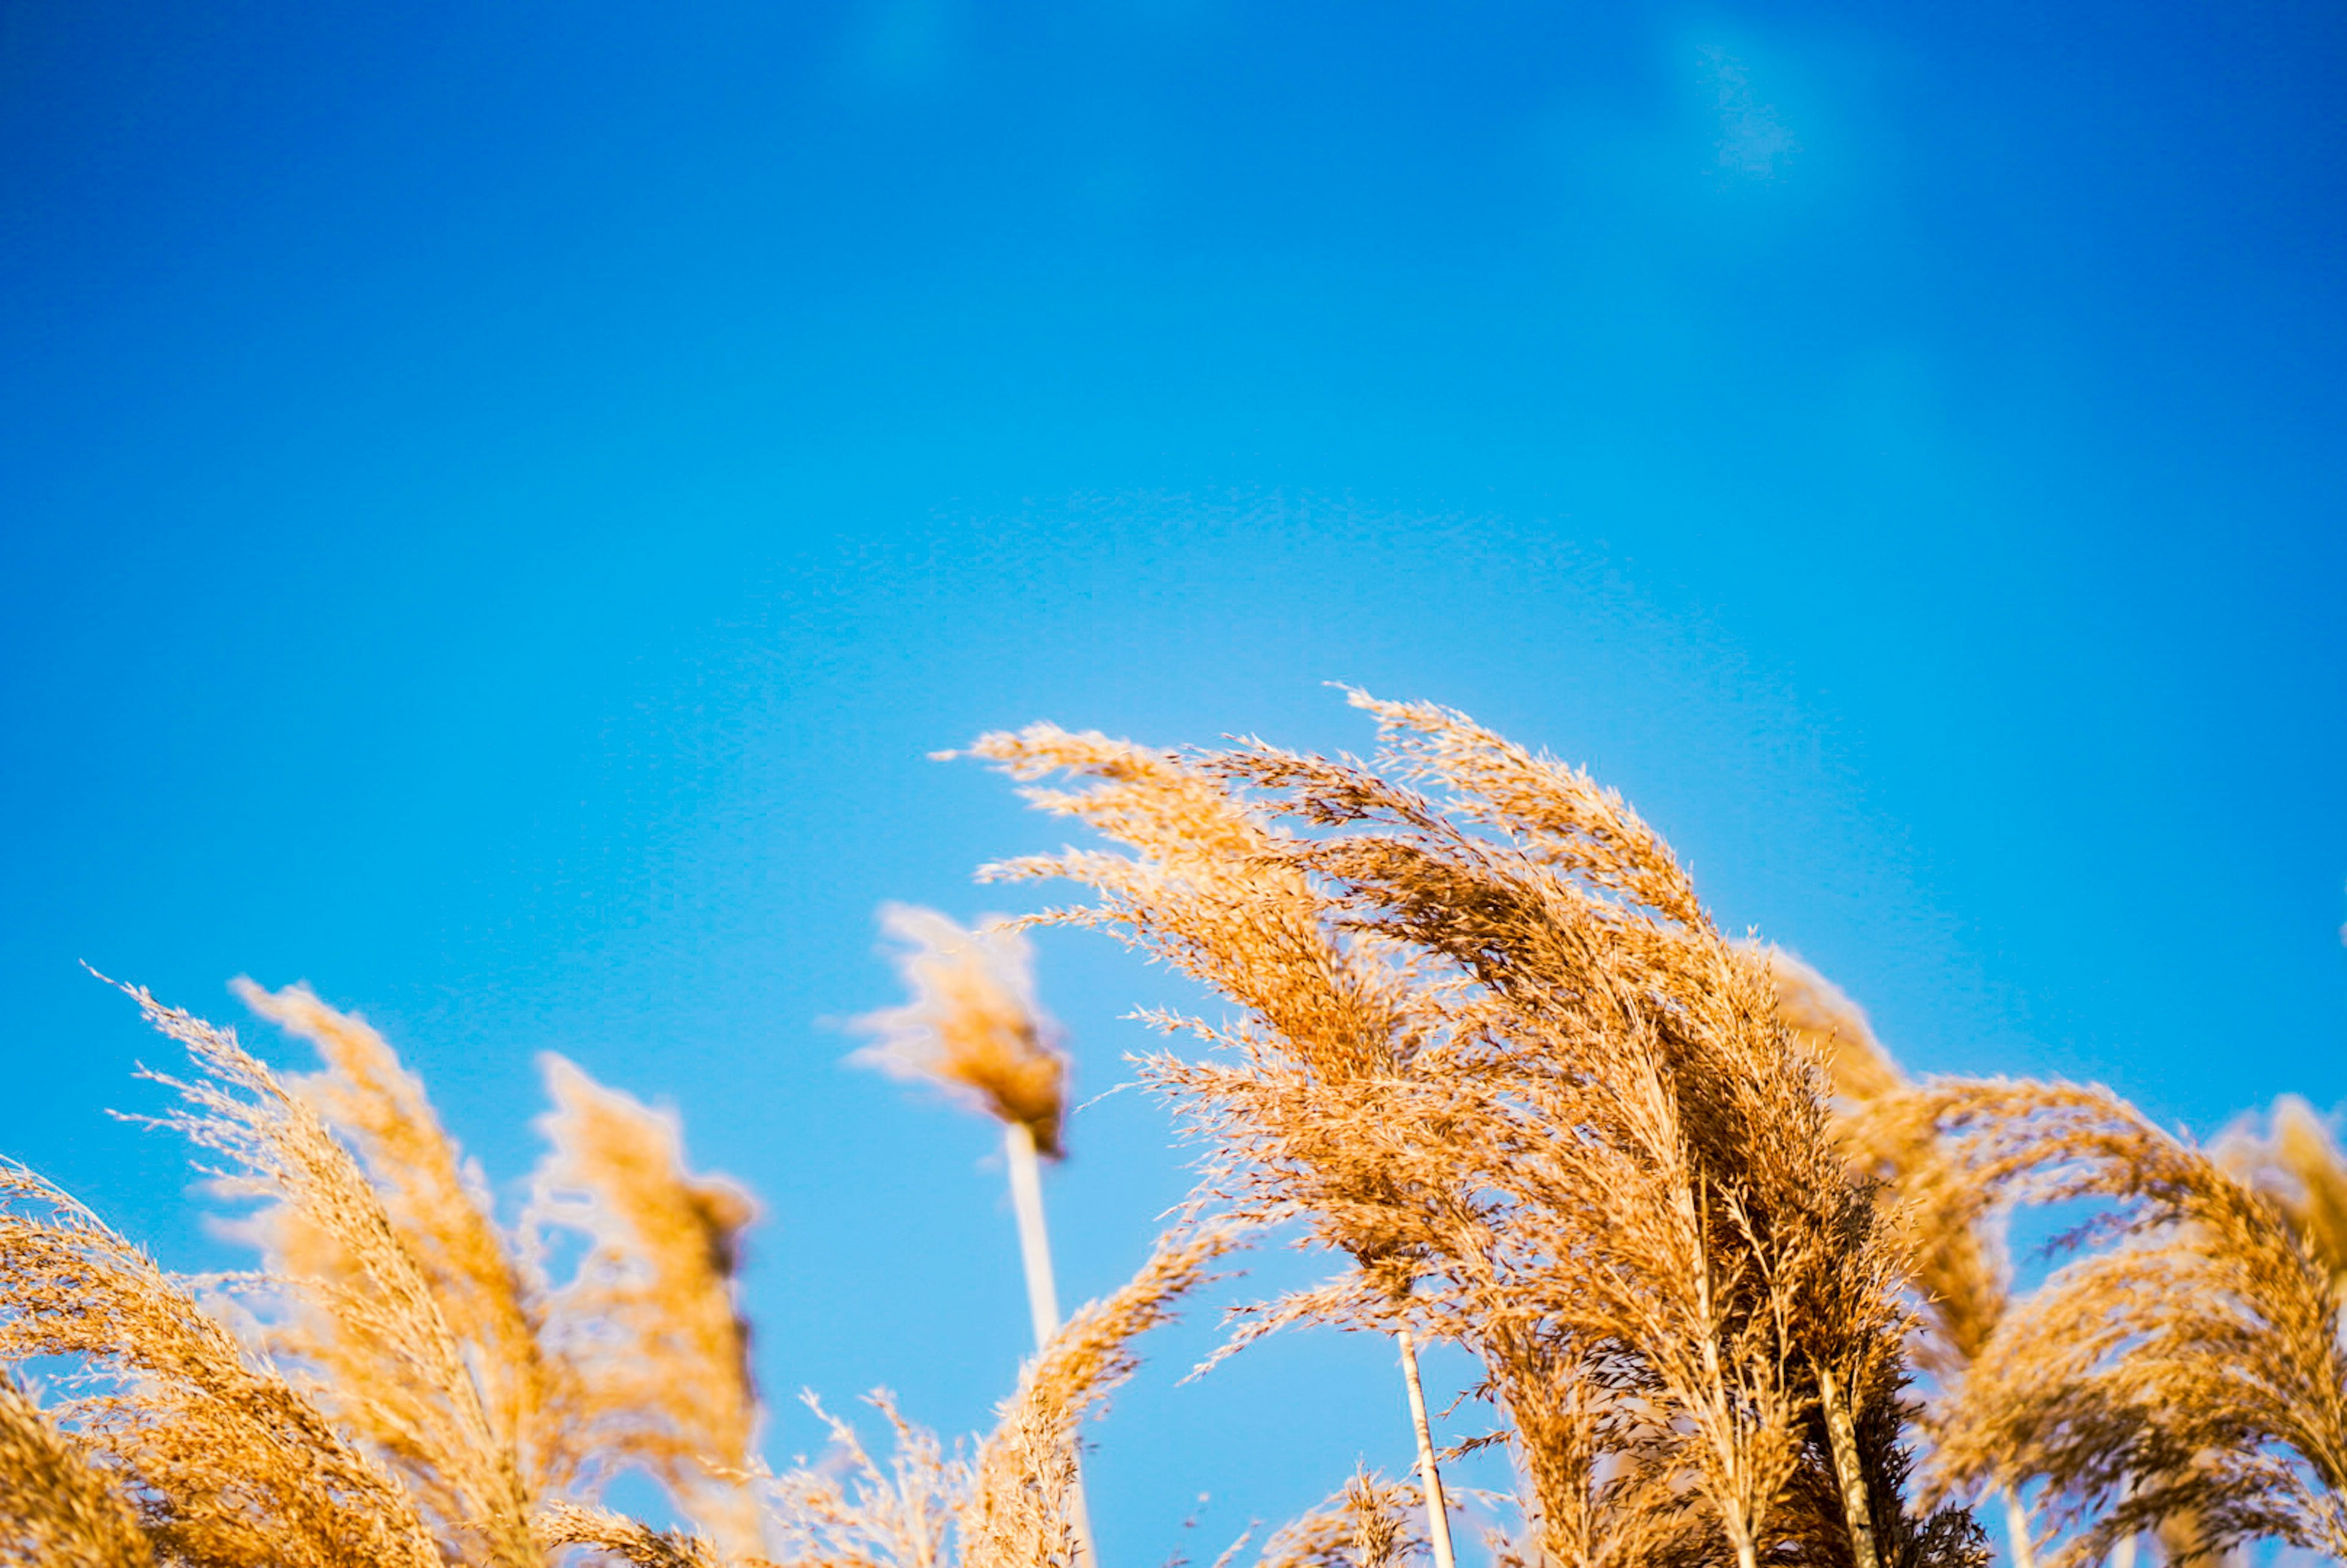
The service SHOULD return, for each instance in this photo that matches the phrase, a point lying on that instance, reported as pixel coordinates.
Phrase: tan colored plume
(1492, 1052)
(650, 1326)
(972, 1025)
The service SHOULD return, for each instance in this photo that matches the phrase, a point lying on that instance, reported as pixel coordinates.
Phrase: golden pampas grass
(649, 1331)
(971, 1025)
(1490, 1049)
(1733, 1280)
(2193, 1370)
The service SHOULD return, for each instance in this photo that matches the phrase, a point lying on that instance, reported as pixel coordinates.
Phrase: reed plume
(2192, 1371)
(649, 1331)
(220, 1457)
(1365, 1525)
(972, 1025)
(640, 1359)
(1494, 1052)
(973, 1028)
(854, 1512)
(632, 1541)
(2298, 1165)
(1015, 1502)
(1953, 1226)
(67, 1512)
(367, 1325)
(436, 1204)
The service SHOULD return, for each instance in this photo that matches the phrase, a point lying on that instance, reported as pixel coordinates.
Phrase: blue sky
(500, 500)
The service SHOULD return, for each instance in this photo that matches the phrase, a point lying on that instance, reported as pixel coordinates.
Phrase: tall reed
(1952, 1227)
(1492, 1052)
(1484, 1047)
(972, 1026)
(2192, 1369)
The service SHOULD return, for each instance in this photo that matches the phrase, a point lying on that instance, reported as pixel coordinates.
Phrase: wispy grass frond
(369, 1327)
(67, 1512)
(1366, 1525)
(439, 1207)
(1012, 1502)
(1022, 1508)
(227, 1462)
(853, 1512)
(1833, 1028)
(972, 1025)
(615, 1535)
(2194, 1370)
(650, 1329)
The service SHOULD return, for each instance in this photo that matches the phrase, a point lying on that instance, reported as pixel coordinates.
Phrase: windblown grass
(1734, 1281)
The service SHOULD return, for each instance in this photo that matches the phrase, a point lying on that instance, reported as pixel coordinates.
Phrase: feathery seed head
(2299, 1165)
(650, 1328)
(972, 1024)
(1834, 1028)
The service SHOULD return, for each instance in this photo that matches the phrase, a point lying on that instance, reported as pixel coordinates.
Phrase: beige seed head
(972, 1024)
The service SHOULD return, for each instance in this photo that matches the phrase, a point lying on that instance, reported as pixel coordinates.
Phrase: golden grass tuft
(2297, 1164)
(2192, 1371)
(972, 1025)
(1485, 1051)
(1013, 1504)
(1492, 1052)
(1365, 1525)
(649, 1330)
(632, 1541)
(68, 1513)
(219, 1456)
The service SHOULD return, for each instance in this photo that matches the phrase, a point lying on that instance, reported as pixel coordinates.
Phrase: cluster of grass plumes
(1493, 1054)
(2185, 1377)
(1735, 1283)
(2188, 1377)
(404, 1383)
(410, 1388)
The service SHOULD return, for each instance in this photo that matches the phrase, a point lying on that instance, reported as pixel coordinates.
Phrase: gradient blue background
(499, 499)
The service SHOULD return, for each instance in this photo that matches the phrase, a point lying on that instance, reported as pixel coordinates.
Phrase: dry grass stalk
(1494, 1052)
(640, 1359)
(2191, 1376)
(1430, 1473)
(649, 1332)
(67, 1512)
(1960, 1281)
(972, 1025)
(1490, 1051)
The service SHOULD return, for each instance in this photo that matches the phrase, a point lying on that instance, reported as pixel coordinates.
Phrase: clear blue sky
(500, 498)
